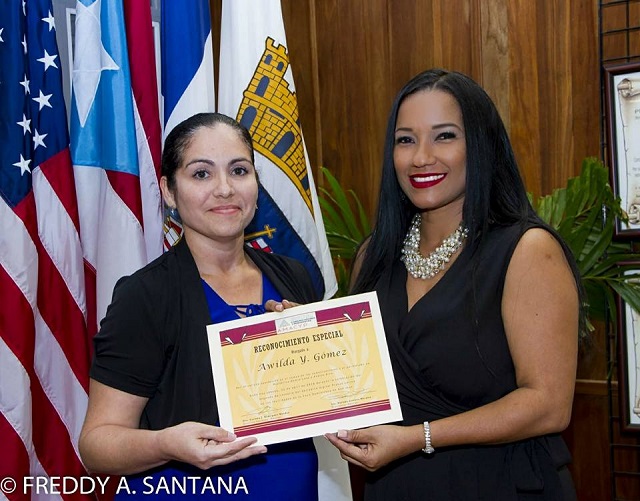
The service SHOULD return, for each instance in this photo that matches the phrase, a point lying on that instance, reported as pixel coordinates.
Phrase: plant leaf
(345, 231)
(584, 214)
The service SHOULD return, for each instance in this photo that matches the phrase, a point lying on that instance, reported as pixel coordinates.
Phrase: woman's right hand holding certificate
(204, 445)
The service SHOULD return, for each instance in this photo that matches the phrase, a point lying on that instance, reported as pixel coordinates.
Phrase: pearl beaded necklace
(428, 267)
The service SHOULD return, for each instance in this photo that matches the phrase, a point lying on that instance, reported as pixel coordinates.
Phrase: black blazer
(153, 342)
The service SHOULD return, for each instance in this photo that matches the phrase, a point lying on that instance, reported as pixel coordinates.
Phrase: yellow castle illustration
(269, 110)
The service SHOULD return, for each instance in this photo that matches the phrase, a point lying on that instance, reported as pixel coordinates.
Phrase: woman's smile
(225, 209)
(421, 181)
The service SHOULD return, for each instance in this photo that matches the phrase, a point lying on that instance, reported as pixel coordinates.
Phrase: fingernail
(342, 434)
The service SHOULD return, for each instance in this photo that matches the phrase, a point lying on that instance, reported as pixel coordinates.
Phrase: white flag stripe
(149, 191)
(60, 238)
(18, 255)
(238, 40)
(112, 226)
(199, 95)
(322, 251)
(15, 392)
(58, 381)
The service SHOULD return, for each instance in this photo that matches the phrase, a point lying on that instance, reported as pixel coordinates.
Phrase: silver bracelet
(428, 448)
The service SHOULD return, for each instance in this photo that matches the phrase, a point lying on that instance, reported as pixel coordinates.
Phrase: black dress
(450, 355)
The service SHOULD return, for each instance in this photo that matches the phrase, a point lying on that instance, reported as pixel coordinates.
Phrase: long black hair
(494, 191)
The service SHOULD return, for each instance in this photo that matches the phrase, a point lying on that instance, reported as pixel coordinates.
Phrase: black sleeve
(129, 349)
(289, 276)
(301, 285)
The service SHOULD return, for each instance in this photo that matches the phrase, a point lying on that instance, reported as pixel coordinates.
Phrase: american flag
(67, 233)
(44, 340)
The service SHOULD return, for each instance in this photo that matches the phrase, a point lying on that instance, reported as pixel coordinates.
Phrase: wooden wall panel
(588, 441)
(585, 81)
(556, 94)
(353, 75)
(455, 36)
(524, 89)
(411, 43)
(494, 21)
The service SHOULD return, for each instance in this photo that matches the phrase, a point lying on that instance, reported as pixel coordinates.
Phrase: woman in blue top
(152, 413)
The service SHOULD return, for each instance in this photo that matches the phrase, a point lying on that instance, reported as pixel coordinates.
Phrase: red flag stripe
(14, 460)
(150, 191)
(144, 85)
(127, 187)
(92, 308)
(142, 64)
(61, 180)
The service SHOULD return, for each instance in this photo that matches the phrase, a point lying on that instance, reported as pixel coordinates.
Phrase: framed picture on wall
(622, 88)
(629, 359)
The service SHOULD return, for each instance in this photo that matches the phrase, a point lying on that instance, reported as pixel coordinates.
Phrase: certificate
(623, 124)
(303, 372)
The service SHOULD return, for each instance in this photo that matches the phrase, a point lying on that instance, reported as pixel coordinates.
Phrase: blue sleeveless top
(288, 471)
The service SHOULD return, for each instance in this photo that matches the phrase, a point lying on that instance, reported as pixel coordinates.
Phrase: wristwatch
(428, 448)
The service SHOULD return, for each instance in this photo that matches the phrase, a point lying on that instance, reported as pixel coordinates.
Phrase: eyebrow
(435, 127)
(212, 163)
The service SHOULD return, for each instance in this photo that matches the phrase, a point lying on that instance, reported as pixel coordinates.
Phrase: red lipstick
(422, 181)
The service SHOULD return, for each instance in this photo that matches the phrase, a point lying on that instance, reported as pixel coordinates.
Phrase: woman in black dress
(481, 306)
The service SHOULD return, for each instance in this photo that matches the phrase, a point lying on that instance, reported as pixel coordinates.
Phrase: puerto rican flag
(115, 141)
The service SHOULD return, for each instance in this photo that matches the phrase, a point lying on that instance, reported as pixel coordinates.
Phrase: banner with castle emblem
(256, 87)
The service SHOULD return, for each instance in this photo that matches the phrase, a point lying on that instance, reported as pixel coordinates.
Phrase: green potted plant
(345, 229)
(584, 215)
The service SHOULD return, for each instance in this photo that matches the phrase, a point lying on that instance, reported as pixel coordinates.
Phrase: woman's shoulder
(501, 240)
(531, 239)
(539, 241)
(512, 233)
